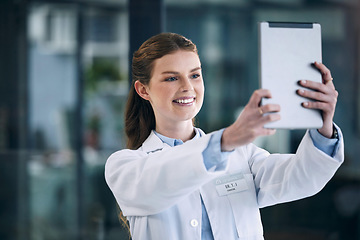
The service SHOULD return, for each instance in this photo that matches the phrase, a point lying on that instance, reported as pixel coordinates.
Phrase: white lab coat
(158, 187)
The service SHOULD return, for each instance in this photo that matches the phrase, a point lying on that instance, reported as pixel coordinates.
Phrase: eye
(195, 76)
(171, 79)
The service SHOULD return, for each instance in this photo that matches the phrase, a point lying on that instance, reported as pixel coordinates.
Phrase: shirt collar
(173, 141)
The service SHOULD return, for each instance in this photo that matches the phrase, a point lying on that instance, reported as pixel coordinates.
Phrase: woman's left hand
(324, 96)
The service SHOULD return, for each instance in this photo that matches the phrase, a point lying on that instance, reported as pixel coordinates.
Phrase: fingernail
(305, 104)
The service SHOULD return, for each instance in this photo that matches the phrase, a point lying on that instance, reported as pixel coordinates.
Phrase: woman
(176, 182)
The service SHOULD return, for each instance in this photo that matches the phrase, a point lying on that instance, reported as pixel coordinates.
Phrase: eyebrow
(174, 72)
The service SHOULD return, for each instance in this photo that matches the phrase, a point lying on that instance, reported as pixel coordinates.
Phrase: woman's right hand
(250, 123)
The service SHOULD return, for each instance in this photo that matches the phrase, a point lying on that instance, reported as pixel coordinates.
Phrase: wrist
(328, 131)
(225, 143)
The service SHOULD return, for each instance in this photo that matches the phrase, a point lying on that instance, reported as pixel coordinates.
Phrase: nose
(186, 85)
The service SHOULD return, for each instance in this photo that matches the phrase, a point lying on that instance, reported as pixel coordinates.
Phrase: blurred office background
(64, 70)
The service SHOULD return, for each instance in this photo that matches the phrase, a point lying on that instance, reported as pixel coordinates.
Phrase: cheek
(200, 89)
(200, 95)
(161, 92)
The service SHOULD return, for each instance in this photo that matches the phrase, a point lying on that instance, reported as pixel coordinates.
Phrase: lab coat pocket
(246, 211)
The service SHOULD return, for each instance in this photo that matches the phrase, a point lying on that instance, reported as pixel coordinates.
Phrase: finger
(269, 108)
(330, 83)
(315, 95)
(271, 117)
(321, 87)
(256, 97)
(330, 99)
(267, 131)
(326, 107)
(325, 72)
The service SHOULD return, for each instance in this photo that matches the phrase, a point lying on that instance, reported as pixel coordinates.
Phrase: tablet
(287, 52)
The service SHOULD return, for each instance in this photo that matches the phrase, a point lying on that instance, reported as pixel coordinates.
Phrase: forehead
(177, 62)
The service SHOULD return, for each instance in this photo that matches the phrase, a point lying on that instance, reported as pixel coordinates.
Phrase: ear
(141, 90)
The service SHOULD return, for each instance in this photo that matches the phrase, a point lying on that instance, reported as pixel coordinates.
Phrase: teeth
(184, 101)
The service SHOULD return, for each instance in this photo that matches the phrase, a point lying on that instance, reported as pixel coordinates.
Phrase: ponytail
(139, 119)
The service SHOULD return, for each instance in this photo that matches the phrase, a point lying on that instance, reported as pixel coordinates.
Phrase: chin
(191, 116)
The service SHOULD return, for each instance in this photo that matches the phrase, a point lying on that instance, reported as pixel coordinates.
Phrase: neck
(183, 131)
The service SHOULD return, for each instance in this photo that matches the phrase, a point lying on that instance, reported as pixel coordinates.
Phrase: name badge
(230, 184)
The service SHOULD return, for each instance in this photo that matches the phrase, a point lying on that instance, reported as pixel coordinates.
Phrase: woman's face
(176, 88)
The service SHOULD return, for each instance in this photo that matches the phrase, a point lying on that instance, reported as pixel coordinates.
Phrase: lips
(187, 100)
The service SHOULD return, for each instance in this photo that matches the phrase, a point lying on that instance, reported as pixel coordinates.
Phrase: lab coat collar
(175, 142)
(153, 143)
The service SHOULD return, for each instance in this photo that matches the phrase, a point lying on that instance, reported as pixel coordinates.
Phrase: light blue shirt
(215, 159)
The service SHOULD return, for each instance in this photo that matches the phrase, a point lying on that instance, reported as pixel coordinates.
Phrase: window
(78, 80)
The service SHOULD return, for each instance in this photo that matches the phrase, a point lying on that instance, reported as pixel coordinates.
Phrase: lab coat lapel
(153, 144)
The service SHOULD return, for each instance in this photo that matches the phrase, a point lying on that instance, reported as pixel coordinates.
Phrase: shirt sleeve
(330, 146)
(214, 158)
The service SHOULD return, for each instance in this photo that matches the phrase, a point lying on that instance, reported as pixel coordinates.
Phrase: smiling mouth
(184, 100)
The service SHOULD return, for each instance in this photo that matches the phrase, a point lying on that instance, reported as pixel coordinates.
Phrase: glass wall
(78, 80)
(227, 36)
(52, 104)
(105, 74)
